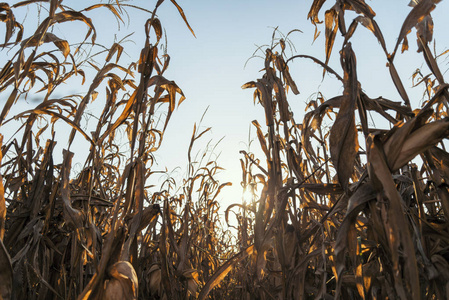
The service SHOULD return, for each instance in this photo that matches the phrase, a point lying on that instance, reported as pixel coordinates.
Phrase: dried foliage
(328, 218)
(98, 233)
(337, 221)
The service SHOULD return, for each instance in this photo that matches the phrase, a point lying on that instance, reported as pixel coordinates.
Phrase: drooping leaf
(324, 65)
(424, 31)
(70, 15)
(356, 203)
(331, 21)
(323, 188)
(314, 10)
(181, 12)
(108, 6)
(418, 13)
(282, 66)
(37, 40)
(220, 274)
(393, 217)
(412, 138)
(11, 23)
(343, 140)
(6, 273)
(115, 48)
(124, 282)
(11, 100)
(371, 25)
(2, 198)
(398, 83)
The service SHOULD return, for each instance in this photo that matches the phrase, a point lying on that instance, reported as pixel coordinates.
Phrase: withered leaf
(393, 218)
(343, 140)
(70, 15)
(73, 217)
(2, 198)
(418, 13)
(345, 235)
(314, 10)
(11, 100)
(124, 282)
(424, 31)
(412, 138)
(331, 22)
(108, 6)
(360, 7)
(181, 12)
(115, 48)
(398, 83)
(48, 37)
(6, 273)
(371, 25)
(323, 188)
(225, 268)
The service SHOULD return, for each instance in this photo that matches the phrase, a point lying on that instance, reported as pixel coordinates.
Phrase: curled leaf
(123, 284)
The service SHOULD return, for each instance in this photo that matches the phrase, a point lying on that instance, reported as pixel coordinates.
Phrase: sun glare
(248, 195)
(110, 190)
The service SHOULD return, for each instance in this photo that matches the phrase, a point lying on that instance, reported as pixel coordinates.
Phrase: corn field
(346, 211)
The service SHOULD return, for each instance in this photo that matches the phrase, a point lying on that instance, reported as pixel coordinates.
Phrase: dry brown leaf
(11, 23)
(224, 269)
(411, 139)
(282, 66)
(314, 10)
(343, 140)
(371, 25)
(73, 217)
(331, 22)
(441, 158)
(157, 26)
(191, 276)
(394, 218)
(398, 83)
(2, 198)
(418, 13)
(155, 280)
(108, 6)
(360, 7)
(356, 203)
(6, 273)
(115, 48)
(317, 61)
(123, 283)
(431, 61)
(38, 39)
(323, 188)
(181, 12)
(70, 15)
(424, 31)
(261, 137)
(11, 100)
(57, 116)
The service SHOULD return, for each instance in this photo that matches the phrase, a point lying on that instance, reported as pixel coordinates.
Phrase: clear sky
(210, 68)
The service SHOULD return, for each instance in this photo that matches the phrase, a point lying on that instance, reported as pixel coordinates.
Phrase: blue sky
(210, 68)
